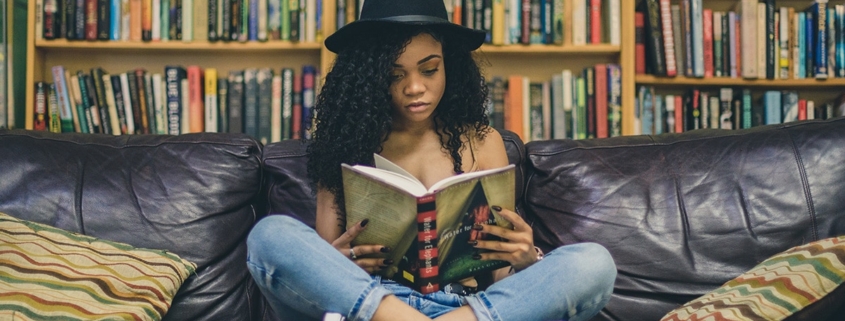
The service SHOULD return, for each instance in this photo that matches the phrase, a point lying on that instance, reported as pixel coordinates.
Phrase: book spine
(212, 20)
(50, 29)
(120, 107)
(54, 124)
(150, 102)
(210, 109)
(127, 103)
(236, 101)
(81, 118)
(274, 19)
(143, 102)
(840, 40)
(196, 110)
(601, 99)
(820, 33)
(726, 113)
(68, 19)
(428, 279)
(309, 74)
(173, 77)
(717, 44)
(686, 25)
(40, 116)
(535, 106)
(232, 15)
(678, 38)
(223, 105)
(89, 96)
(287, 102)
(789, 103)
(284, 25)
(294, 19)
(614, 76)
(697, 21)
(100, 96)
(250, 115)
(114, 120)
(114, 20)
(296, 111)
(733, 48)
(276, 109)
(668, 37)
(63, 99)
(103, 19)
(810, 40)
(590, 84)
(679, 114)
(640, 51)
(707, 39)
(770, 39)
(264, 78)
(654, 39)
(156, 20)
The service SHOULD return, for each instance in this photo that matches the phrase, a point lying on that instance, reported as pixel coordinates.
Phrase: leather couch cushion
(684, 213)
(289, 191)
(192, 195)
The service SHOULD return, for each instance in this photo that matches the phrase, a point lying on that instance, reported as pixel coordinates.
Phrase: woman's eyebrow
(422, 61)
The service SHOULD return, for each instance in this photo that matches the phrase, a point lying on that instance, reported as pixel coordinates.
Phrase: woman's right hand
(357, 253)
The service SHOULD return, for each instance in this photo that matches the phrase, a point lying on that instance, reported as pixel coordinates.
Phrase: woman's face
(419, 79)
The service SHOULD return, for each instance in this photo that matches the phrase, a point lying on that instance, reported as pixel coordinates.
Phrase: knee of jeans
(269, 230)
(594, 264)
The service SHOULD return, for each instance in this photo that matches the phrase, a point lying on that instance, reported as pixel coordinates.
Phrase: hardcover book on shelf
(427, 228)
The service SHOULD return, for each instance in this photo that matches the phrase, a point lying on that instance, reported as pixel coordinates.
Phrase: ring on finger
(352, 254)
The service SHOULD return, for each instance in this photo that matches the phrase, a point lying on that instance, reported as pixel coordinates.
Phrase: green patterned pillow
(777, 288)
(50, 274)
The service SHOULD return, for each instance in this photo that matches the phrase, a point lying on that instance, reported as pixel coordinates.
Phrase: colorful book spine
(211, 107)
(62, 93)
(173, 78)
(427, 240)
(308, 98)
(287, 101)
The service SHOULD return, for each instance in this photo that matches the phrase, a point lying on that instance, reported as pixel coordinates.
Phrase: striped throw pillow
(776, 289)
(50, 274)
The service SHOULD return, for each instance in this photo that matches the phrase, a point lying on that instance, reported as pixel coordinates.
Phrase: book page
(392, 213)
(451, 180)
(405, 183)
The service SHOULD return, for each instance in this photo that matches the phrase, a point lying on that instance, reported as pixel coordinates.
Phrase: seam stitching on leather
(805, 185)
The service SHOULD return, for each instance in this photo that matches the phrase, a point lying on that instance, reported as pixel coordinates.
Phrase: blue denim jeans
(302, 277)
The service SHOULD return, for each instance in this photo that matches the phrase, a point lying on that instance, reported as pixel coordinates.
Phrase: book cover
(428, 228)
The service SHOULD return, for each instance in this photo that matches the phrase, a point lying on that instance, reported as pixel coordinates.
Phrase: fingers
(511, 216)
(373, 265)
(351, 233)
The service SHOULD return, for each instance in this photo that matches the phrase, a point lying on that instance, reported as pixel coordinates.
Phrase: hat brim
(350, 33)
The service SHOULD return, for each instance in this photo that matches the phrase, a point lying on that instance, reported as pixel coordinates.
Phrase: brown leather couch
(680, 213)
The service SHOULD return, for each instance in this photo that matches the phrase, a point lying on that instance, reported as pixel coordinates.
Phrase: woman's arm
(329, 224)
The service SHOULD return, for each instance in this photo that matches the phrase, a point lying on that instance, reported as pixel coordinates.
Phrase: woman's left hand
(517, 246)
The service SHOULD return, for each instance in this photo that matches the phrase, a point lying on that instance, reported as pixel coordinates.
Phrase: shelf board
(552, 49)
(63, 44)
(722, 81)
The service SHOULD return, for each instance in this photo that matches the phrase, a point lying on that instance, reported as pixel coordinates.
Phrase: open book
(427, 229)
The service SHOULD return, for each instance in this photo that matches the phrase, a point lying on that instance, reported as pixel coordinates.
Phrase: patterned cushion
(775, 289)
(48, 273)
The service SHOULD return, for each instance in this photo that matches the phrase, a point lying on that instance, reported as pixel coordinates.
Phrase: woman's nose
(413, 85)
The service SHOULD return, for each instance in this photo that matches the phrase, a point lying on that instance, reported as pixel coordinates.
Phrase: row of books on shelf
(726, 108)
(569, 105)
(184, 20)
(560, 22)
(757, 40)
(267, 104)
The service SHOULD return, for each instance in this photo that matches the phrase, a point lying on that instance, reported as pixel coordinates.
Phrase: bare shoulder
(490, 148)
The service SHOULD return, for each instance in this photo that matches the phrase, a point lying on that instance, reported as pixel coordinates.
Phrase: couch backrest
(192, 195)
(683, 213)
(289, 191)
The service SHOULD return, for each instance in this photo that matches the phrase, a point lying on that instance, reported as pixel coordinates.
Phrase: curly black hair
(353, 113)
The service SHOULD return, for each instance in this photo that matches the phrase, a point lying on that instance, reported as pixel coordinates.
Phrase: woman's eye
(430, 71)
(395, 77)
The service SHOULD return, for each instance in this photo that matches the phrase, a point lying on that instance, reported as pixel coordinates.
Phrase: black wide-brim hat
(376, 14)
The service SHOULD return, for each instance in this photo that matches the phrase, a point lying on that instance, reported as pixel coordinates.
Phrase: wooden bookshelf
(63, 44)
(538, 62)
(738, 82)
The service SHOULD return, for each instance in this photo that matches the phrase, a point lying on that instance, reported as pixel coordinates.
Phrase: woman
(404, 85)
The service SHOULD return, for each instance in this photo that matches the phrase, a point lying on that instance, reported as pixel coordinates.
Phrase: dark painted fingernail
(472, 242)
(478, 227)
(476, 256)
(387, 262)
(385, 249)
(364, 222)
(496, 208)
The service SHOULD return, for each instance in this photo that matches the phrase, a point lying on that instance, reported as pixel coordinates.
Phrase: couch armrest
(193, 195)
(683, 213)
